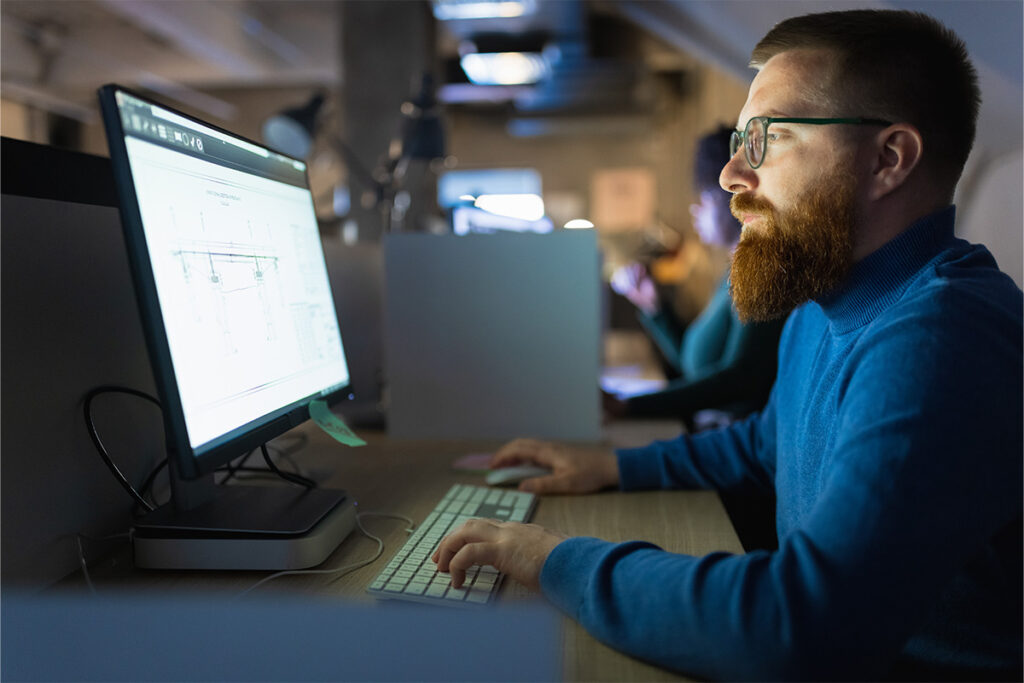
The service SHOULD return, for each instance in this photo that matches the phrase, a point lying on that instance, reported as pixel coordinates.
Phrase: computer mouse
(509, 476)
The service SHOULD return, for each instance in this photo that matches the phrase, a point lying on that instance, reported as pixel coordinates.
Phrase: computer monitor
(240, 325)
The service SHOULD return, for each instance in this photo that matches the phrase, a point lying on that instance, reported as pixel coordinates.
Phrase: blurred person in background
(719, 368)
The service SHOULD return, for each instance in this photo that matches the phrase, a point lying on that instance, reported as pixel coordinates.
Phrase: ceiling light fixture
(505, 68)
(448, 10)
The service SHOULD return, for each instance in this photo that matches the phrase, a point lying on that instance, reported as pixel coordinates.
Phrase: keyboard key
(456, 593)
(436, 590)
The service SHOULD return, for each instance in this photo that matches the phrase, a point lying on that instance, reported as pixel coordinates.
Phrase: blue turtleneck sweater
(893, 441)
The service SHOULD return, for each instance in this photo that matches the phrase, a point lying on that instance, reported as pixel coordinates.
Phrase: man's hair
(902, 66)
(711, 157)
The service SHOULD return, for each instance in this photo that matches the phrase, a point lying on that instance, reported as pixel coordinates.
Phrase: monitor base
(246, 527)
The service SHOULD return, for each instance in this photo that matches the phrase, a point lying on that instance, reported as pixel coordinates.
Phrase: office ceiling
(56, 53)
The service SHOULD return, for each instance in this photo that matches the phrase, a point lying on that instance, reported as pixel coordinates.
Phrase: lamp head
(292, 130)
(422, 132)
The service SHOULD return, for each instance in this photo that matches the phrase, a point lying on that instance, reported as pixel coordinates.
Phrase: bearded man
(893, 436)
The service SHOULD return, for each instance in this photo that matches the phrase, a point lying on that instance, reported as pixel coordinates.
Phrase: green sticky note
(332, 424)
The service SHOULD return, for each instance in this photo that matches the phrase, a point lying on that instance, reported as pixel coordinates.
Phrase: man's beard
(793, 256)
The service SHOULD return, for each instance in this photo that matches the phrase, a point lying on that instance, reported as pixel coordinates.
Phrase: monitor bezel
(181, 455)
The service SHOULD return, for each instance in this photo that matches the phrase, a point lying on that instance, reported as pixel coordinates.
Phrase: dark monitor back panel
(69, 323)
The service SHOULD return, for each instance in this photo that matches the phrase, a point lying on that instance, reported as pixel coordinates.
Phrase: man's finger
(470, 555)
(473, 531)
(516, 453)
(552, 483)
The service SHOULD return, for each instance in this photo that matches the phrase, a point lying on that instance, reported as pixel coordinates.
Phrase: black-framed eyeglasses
(754, 137)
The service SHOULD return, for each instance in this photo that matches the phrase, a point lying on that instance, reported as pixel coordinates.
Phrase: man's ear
(896, 153)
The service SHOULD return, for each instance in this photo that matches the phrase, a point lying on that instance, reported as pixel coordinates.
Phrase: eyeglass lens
(753, 141)
(755, 138)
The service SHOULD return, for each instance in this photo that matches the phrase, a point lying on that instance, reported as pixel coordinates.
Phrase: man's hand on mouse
(573, 469)
(515, 549)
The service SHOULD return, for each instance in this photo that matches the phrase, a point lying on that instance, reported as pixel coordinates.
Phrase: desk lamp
(293, 131)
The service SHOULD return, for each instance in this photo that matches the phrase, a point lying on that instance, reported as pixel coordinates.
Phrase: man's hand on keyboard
(573, 469)
(515, 549)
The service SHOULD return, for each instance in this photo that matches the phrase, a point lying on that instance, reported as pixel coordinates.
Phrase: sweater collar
(878, 280)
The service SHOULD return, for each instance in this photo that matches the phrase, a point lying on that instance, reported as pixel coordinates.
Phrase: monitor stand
(243, 527)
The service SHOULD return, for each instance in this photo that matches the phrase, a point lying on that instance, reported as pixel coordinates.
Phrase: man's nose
(737, 176)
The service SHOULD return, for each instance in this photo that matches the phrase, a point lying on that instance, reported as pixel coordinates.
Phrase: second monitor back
(493, 336)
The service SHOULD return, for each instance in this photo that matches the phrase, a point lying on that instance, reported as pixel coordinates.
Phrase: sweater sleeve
(741, 456)
(920, 481)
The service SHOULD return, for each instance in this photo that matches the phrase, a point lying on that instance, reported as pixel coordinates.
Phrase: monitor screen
(230, 274)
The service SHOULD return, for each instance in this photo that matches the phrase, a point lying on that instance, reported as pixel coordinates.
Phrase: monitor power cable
(287, 476)
(94, 435)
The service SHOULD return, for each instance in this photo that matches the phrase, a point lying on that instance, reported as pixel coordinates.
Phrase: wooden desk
(410, 477)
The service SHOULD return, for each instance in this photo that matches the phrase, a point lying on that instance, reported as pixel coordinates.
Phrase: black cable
(287, 476)
(91, 427)
(231, 468)
(148, 484)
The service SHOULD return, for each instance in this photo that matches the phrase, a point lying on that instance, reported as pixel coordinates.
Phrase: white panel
(991, 215)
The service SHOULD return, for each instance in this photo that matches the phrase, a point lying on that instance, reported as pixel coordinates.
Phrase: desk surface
(409, 477)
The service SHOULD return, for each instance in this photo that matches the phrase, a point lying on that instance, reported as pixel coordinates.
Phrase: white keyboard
(412, 575)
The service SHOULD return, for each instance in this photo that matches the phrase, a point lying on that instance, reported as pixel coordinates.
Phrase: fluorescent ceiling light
(505, 68)
(528, 207)
(578, 224)
(445, 10)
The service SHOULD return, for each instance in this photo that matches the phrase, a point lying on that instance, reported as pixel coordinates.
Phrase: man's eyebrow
(771, 113)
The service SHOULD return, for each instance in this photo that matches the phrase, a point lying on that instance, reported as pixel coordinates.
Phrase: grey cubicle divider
(69, 323)
(493, 336)
(356, 276)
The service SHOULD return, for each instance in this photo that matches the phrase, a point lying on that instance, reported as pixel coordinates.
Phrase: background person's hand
(633, 282)
(573, 469)
(515, 549)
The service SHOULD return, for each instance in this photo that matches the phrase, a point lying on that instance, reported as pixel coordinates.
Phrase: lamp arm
(355, 165)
